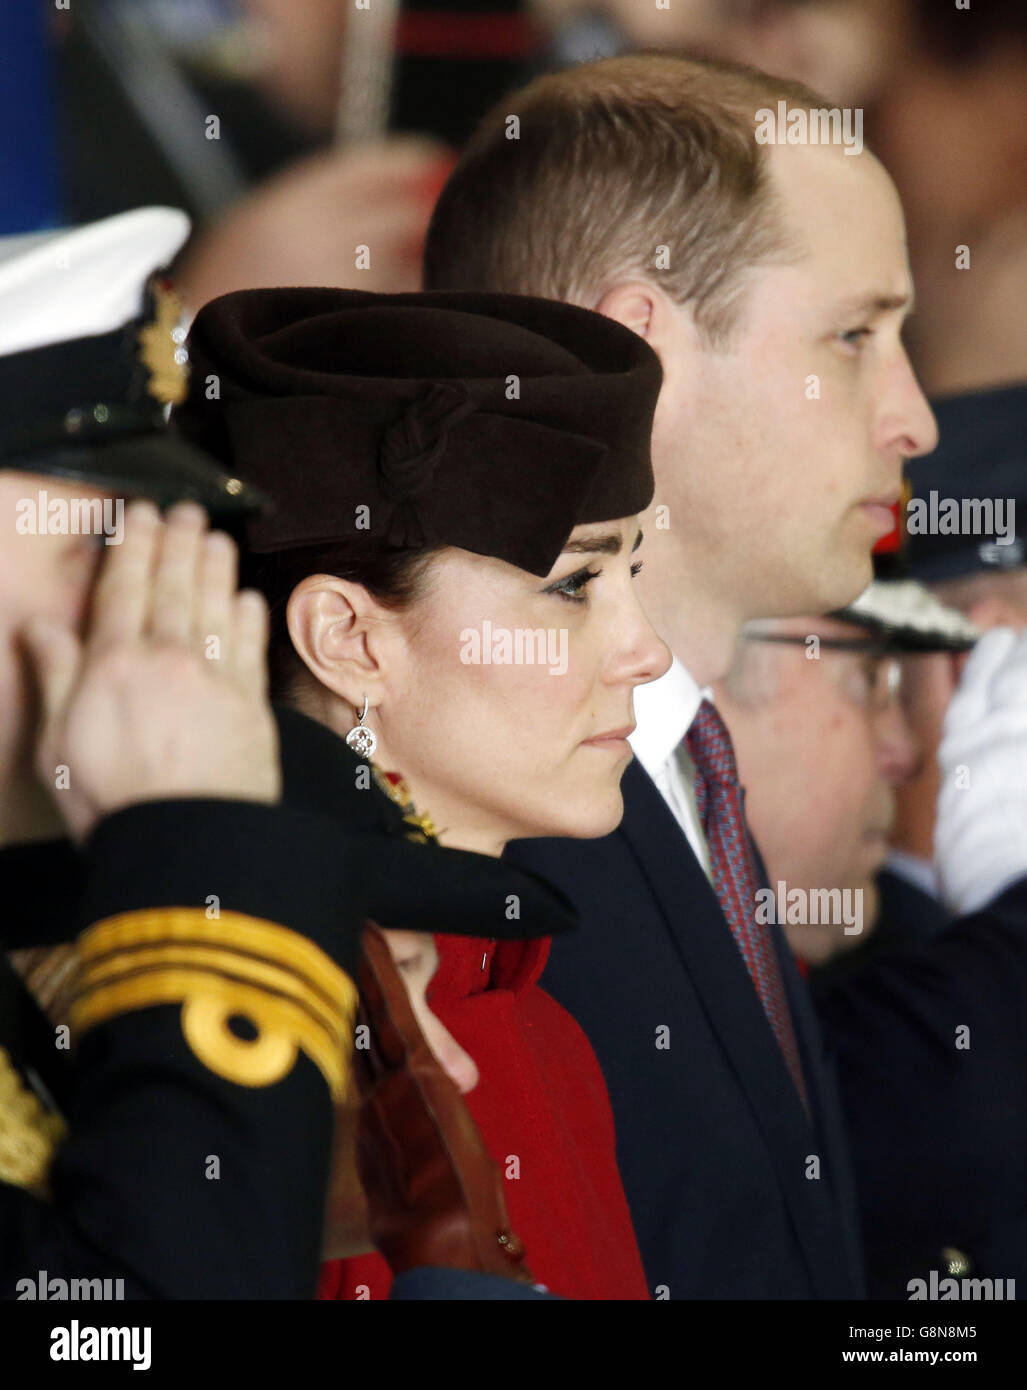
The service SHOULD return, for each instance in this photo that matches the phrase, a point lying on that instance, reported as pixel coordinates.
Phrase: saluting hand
(165, 695)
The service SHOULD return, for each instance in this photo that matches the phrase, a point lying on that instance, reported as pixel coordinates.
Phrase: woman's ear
(333, 625)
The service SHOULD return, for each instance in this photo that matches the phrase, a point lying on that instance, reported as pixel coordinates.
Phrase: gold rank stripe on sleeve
(233, 966)
(28, 1133)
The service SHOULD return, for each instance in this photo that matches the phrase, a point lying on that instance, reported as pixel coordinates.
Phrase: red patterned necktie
(718, 798)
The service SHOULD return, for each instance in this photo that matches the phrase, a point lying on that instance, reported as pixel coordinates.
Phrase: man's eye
(855, 337)
(573, 587)
(409, 966)
(861, 681)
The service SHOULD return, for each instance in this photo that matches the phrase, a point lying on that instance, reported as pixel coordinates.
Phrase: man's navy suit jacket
(733, 1192)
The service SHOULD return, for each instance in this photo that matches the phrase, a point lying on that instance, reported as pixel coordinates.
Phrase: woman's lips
(616, 740)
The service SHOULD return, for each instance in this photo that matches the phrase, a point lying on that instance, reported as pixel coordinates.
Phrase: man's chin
(802, 586)
(842, 583)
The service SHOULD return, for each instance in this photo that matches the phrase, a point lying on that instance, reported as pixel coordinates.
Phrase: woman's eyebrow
(609, 544)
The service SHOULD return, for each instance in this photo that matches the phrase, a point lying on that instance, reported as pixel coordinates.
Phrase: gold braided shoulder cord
(29, 1134)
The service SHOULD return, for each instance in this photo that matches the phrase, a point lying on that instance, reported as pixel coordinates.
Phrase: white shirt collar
(919, 872)
(664, 710)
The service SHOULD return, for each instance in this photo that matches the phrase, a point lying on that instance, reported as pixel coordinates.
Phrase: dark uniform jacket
(166, 1149)
(938, 1115)
(170, 1156)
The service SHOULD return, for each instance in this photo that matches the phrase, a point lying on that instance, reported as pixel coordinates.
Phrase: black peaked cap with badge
(91, 355)
(491, 422)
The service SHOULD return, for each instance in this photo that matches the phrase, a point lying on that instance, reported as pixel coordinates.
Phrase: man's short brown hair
(612, 161)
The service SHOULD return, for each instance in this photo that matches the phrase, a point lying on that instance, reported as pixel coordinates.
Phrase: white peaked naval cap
(92, 353)
(910, 617)
(85, 281)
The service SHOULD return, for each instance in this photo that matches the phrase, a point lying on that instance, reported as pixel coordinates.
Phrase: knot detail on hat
(410, 450)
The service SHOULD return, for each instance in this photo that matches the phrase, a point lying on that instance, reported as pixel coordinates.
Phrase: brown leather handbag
(435, 1197)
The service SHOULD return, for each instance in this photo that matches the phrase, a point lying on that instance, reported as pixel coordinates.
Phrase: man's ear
(649, 312)
(333, 625)
(632, 303)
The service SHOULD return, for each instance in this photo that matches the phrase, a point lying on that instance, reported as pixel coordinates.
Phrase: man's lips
(881, 511)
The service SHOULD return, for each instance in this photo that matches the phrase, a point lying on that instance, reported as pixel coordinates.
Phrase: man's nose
(898, 752)
(908, 426)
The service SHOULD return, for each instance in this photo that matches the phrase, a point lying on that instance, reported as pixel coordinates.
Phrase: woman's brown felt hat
(495, 423)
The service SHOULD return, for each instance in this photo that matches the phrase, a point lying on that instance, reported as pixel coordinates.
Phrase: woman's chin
(587, 818)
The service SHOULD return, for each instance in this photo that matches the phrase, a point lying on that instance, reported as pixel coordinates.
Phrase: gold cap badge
(162, 343)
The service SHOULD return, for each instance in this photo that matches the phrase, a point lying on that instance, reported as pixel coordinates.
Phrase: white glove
(980, 838)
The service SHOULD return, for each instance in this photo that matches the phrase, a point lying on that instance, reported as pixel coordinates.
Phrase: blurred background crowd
(293, 131)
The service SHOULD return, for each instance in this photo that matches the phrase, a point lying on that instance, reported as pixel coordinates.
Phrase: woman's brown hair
(395, 578)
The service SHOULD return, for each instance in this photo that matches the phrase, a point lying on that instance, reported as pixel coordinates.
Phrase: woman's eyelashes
(573, 587)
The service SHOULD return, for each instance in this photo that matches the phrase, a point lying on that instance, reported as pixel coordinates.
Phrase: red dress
(543, 1111)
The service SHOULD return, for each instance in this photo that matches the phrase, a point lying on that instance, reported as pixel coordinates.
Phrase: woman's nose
(647, 656)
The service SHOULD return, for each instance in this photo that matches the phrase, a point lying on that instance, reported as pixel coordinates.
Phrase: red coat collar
(473, 964)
